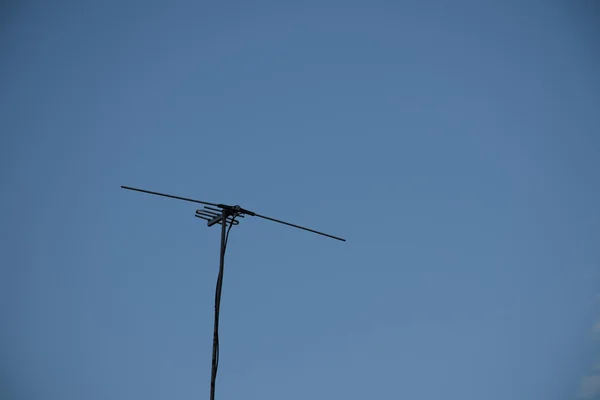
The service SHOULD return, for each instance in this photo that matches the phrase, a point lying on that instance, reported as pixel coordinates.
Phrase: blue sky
(455, 145)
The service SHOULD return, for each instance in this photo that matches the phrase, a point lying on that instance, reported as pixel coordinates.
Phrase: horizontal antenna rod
(229, 221)
(300, 227)
(236, 209)
(170, 196)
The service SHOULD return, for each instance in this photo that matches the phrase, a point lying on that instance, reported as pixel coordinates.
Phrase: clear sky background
(455, 145)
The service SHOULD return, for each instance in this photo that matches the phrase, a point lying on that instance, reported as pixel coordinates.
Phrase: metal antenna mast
(225, 216)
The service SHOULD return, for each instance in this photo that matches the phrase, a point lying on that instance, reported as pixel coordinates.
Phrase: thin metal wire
(170, 196)
(300, 227)
(245, 211)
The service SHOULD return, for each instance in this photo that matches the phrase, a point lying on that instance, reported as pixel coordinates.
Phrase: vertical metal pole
(213, 376)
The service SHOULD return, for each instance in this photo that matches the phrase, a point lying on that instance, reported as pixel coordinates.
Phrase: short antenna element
(226, 216)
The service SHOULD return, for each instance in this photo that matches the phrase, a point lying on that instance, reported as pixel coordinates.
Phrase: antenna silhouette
(225, 216)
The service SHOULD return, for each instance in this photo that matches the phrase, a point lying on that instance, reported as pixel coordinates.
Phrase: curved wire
(218, 290)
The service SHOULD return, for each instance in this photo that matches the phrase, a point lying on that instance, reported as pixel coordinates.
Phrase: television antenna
(224, 215)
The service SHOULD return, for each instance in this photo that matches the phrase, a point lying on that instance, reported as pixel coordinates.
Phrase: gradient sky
(455, 145)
